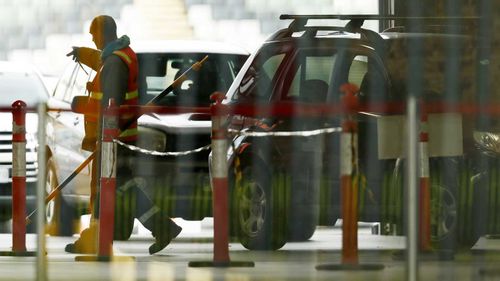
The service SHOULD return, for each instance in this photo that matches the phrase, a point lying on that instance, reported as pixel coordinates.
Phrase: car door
(362, 67)
(67, 130)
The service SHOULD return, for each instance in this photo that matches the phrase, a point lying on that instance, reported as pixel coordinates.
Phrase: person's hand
(74, 53)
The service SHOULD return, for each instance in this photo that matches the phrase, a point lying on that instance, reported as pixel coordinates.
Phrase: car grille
(6, 160)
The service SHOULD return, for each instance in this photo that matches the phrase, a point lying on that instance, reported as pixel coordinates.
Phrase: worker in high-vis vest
(116, 69)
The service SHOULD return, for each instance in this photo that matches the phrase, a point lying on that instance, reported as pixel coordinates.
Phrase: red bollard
(110, 131)
(18, 176)
(107, 192)
(220, 191)
(425, 192)
(18, 182)
(349, 193)
(348, 189)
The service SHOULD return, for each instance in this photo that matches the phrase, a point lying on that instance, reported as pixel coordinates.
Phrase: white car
(178, 185)
(18, 82)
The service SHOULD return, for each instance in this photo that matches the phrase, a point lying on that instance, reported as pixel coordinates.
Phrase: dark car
(282, 187)
(177, 183)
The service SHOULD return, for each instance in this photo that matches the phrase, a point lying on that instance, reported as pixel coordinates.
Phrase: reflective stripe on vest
(127, 55)
(132, 96)
(123, 56)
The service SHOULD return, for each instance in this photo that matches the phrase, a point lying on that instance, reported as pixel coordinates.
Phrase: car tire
(259, 208)
(60, 216)
(303, 218)
(445, 187)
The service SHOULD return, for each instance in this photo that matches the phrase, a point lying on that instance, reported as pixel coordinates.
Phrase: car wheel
(444, 210)
(259, 213)
(58, 213)
(444, 187)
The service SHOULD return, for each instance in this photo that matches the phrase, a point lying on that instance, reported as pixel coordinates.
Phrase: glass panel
(158, 71)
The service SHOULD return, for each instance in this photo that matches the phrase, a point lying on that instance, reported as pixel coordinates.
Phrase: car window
(311, 80)
(374, 85)
(358, 69)
(256, 84)
(21, 86)
(83, 75)
(157, 71)
(64, 82)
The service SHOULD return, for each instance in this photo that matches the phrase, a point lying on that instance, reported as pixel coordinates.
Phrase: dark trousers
(126, 182)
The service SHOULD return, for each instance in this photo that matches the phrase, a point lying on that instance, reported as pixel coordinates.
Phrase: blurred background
(41, 32)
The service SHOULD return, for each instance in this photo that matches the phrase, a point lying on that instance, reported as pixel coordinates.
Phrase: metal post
(412, 194)
(41, 262)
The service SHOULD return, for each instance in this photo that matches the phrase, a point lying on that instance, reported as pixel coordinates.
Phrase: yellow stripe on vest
(131, 95)
(123, 56)
(96, 95)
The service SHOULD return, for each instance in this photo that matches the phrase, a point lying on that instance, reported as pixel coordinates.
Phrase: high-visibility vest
(129, 134)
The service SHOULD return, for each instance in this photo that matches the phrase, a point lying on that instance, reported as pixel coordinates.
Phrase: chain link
(286, 133)
(234, 133)
(158, 153)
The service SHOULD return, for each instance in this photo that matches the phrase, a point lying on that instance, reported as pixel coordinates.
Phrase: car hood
(187, 123)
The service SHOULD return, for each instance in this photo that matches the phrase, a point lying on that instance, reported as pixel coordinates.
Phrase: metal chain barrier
(286, 133)
(234, 133)
(159, 153)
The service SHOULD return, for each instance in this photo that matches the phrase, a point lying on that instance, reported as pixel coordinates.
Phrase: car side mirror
(79, 104)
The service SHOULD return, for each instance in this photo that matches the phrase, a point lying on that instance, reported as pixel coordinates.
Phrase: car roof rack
(354, 25)
(301, 20)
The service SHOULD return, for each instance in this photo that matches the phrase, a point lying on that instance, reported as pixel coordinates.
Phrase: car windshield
(21, 86)
(256, 83)
(157, 71)
(308, 78)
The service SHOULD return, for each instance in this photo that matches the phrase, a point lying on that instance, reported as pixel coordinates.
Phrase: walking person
(116, 69)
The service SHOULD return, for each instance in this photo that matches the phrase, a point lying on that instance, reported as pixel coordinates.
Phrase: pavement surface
(295, 261)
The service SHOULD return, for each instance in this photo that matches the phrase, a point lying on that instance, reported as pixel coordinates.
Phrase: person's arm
(88, 56)
(114, 80)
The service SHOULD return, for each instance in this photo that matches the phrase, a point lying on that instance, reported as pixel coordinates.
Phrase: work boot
(163, 236)
(86, 243)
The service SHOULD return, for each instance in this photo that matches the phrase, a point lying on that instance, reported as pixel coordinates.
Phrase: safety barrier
(219, 148)
(220, 191)
(347, 108)
(18, 181)
(107, 191)
(349, 190)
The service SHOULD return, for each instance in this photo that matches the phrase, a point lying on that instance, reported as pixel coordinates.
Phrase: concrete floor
(295, 261)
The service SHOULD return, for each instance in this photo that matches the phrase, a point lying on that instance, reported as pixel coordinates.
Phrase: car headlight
(151, 139)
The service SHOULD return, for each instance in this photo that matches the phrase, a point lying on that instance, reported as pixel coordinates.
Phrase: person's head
(103, 30)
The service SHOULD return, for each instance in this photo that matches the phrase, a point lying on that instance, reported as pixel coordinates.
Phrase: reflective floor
(295, 261)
